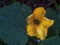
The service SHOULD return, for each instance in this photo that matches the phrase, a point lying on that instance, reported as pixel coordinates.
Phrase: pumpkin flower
(38, 24)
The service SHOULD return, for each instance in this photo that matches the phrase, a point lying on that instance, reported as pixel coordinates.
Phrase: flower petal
(41, 32)
(30, 19)
(47, 22)
(39, 13)
(30, 30)
(39, 10)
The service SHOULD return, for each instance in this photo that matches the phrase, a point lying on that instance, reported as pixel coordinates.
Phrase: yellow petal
(39, 10)
(30, 30)
(47, 22)
(41, 32)
(30, 19)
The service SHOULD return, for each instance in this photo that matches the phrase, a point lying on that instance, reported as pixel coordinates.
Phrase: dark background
(32, 3)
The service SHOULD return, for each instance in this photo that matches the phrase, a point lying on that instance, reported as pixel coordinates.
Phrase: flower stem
(54, 1)
(55, 4)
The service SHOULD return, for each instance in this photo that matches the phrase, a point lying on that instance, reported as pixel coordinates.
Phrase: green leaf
(13, 23)
(58, 7)
(57, 21)
(57, 24)
(51, 14)
(52, 32)
(55, 40)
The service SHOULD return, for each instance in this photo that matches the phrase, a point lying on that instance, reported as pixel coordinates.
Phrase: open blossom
(38, 24)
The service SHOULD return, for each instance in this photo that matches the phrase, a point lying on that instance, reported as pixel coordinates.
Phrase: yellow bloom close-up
(38, 24)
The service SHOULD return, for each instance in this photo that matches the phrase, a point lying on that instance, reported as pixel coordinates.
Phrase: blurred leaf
(2, 42)
(55, 40)
(58, 7)
(52, 32)
(13, 23)
(57, 24)
(57, 21)
(51, 14)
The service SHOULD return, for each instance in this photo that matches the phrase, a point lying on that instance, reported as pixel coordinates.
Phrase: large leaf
(13, 22)
(57, 21)
(52, 41)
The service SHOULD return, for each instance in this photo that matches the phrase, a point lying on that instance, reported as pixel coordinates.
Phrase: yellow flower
(38, 24)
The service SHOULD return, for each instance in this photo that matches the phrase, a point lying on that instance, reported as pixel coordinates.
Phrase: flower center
(37, 22)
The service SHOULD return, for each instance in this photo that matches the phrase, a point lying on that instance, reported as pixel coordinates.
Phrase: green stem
(55, 4)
